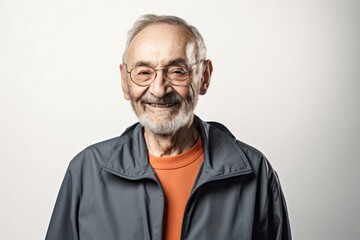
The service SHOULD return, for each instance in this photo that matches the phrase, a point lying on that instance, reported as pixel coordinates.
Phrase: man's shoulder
(254, 156)
(97, 154)
(221, 131)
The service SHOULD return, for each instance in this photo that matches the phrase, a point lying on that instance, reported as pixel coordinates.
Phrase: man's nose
(160, 86)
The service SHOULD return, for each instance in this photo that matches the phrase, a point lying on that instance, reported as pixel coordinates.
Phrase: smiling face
(161, 107)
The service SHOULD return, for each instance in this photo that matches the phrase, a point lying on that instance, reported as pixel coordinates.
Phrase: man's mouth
(167, 103)
(161, 105)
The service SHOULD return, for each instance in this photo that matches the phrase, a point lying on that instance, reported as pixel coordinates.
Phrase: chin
(165, 124)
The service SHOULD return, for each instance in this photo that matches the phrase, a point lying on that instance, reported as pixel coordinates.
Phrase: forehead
(159, 43)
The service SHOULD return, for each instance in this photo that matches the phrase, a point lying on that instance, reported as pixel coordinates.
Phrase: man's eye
(177, 71)
(144, 72)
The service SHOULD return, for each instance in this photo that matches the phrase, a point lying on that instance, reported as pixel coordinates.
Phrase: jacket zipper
(163, 207)
(213, 179)
(161, 189)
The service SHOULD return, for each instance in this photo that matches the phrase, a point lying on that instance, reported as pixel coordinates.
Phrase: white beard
(159, 123)
(164, 126)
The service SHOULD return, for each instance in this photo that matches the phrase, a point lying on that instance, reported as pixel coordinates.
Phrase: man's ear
(205, 81)
(124, 81)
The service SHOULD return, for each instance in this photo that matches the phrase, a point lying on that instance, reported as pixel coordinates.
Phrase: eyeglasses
(176, 75)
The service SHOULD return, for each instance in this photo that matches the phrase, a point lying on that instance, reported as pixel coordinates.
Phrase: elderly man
(170, 176)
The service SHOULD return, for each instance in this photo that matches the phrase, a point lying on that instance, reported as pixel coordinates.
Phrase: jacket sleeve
(63, 222)
(276, 214)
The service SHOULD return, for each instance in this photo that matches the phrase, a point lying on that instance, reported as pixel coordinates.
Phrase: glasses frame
(164, 70)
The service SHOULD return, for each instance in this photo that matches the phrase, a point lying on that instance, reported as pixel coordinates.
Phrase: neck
(171, 144)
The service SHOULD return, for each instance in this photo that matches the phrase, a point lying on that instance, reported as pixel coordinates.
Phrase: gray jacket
(111, 192)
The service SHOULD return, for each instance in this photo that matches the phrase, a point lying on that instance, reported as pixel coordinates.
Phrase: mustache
(171, 98)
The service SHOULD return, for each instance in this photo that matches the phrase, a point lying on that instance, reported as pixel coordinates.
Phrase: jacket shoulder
(256, 158)
(244, 146)
(100, 152)
(95, 154)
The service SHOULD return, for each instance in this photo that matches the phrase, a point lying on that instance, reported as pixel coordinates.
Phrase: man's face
(162, 107)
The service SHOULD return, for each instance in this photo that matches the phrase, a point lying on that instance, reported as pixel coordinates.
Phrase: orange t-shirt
(177, 175)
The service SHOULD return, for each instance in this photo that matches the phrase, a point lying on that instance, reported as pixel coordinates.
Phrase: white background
(286, 80)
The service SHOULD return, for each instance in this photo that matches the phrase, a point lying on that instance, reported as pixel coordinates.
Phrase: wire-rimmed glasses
(176, 75)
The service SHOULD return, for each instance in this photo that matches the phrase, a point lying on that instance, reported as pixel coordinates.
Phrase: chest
(118, 208)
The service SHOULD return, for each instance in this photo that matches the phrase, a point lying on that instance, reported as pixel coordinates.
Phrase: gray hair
(151, 19)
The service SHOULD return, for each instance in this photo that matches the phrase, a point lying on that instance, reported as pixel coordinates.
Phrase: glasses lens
(143, 75)
(177, 75)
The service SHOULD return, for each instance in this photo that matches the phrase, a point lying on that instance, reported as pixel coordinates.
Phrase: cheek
(136, 93)
(184, 92)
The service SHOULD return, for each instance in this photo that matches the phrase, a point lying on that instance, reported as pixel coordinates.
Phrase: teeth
(161, 105)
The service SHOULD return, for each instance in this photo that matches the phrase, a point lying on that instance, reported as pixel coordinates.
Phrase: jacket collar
(223, 156)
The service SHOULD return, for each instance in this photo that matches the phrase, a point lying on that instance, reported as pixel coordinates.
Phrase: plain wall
(286, 80)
